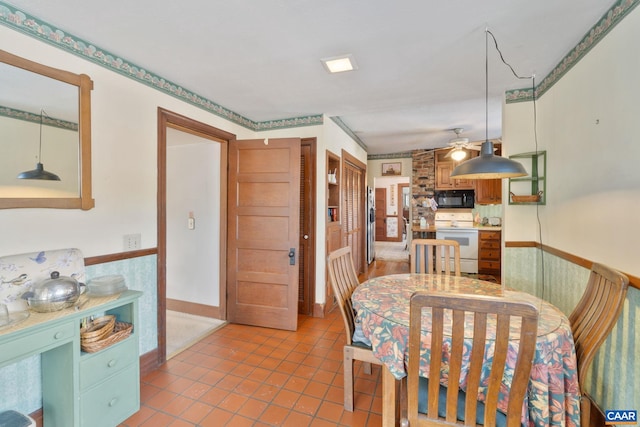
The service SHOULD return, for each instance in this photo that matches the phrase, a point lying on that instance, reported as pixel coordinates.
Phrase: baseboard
(193, 308)
(318, 310)
(149, 362)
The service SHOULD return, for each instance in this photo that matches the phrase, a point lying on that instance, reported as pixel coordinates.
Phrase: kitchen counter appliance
(455, 199)
(458, 226)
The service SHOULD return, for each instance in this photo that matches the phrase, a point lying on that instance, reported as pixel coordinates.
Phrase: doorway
(170, 120)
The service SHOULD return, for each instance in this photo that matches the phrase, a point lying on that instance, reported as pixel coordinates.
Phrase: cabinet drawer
(98, 366)
(39, 341)
(112, 401)
(490, 255)
(489, 244)
(489, 265)
(490, 235)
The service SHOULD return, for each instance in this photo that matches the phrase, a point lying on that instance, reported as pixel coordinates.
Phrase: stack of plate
(106, 285)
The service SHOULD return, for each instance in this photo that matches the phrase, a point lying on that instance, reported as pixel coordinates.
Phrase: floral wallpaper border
(608, 21)
(30, 25)
(13, 113)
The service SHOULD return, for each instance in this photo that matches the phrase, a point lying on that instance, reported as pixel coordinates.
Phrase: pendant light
(487, 165)
(39, 172)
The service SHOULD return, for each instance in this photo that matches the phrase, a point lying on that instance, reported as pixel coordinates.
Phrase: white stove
(458, 226)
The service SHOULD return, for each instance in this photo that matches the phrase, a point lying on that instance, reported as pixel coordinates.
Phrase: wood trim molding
(634, 281)
(193, 308)
(102, 259)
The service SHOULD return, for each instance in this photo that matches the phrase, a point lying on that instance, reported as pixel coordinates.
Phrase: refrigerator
(371, 224)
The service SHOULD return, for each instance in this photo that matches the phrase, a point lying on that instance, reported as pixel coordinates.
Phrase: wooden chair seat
(435, 256)
(344, 281)
(438, 405)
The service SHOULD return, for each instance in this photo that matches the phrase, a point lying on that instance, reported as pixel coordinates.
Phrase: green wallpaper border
(609, 20)
(26, 116)
(32, 26)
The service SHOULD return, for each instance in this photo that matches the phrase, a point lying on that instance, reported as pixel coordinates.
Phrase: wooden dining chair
(435, 256)
(426, 401)
(344, 281)
(592, 320)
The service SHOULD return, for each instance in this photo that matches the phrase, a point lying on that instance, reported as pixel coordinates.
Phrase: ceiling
(421, 63)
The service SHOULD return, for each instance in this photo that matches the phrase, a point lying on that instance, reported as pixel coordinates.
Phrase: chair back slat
(463, 308)
(596, 314)
(344, 280)
(435, 256)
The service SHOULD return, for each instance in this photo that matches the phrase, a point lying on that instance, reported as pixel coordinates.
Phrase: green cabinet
(81, 389)
(531, 189)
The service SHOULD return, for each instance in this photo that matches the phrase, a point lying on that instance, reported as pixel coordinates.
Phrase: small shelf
(535, 183)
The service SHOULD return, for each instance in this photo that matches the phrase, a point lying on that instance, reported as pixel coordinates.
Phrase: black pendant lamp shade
(39, 172)
(488, 165)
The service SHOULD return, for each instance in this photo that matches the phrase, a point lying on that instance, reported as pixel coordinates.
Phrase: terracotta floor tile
(297, 419)
(253, 408)
(330, 411)
(196, 412)
(216, 418)
(158, 419)
(161, 399)
(316, 389)
(308, 404)
(178, 405)
(240, 421)
(274, 415)
(297, 384)
(181, 423)
(286, 398)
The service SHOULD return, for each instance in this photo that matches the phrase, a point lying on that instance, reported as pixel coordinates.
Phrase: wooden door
(307, 242)
(381, 214)
(263, 211)
(353, 225)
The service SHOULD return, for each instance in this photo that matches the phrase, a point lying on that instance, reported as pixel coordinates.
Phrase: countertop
(433, 228)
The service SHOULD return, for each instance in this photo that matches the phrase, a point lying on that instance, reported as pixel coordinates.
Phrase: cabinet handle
(112, 363)
(58, 335)
(113, 402)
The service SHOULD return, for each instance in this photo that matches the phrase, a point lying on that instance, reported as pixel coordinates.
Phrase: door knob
(292, 256)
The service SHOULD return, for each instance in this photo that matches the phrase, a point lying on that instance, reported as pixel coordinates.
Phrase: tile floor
(248, 376)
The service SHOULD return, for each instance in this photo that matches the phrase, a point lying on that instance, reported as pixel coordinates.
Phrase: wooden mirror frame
(84, 200)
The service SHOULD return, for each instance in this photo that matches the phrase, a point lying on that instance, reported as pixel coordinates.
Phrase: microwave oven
(455, 199)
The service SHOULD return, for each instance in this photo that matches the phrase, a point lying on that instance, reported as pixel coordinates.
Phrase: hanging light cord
(535, 135)
(40, 149)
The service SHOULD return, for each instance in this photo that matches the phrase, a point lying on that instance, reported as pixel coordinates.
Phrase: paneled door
(353, 208)
(263, 235)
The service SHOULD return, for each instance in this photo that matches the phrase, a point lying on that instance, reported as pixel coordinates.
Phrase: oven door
(468, 240)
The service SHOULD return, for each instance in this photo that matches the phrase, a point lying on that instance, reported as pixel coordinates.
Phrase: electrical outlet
(131, 242)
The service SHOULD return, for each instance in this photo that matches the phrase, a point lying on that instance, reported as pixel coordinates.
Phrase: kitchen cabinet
(488, 191)
(81, 389)
(444, 166)
(489, 242)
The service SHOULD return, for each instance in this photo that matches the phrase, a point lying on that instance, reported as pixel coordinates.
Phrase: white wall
(587, 123)
(124, 162)
(193, 187)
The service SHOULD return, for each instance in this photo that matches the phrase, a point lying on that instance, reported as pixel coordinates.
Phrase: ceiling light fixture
(39, 172)
(488, 165)
(458, 154)
(339, 64)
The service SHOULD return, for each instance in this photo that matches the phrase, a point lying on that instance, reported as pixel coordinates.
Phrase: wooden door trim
(312, 143)
(400, 203)
(168, 119)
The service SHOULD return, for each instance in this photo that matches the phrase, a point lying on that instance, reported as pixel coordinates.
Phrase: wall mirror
(45, 132)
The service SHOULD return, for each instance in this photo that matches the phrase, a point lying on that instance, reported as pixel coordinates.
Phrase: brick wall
(423, 182)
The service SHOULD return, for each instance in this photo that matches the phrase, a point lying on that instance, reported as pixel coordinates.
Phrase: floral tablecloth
(553, 398)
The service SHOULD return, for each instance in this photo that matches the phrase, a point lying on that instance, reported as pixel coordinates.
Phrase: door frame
(169, 119)
(310, 264)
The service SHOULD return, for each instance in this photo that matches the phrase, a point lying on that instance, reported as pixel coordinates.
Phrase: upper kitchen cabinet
(444, 167)
(488, 191)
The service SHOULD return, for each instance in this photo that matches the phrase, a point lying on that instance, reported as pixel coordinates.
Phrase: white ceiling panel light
(339, 64)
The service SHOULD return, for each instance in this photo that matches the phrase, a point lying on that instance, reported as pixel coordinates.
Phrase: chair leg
(348, 379)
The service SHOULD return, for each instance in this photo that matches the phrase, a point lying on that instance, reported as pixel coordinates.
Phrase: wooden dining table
(382, 306)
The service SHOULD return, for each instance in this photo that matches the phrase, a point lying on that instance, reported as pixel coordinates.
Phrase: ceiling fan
(459, 145)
